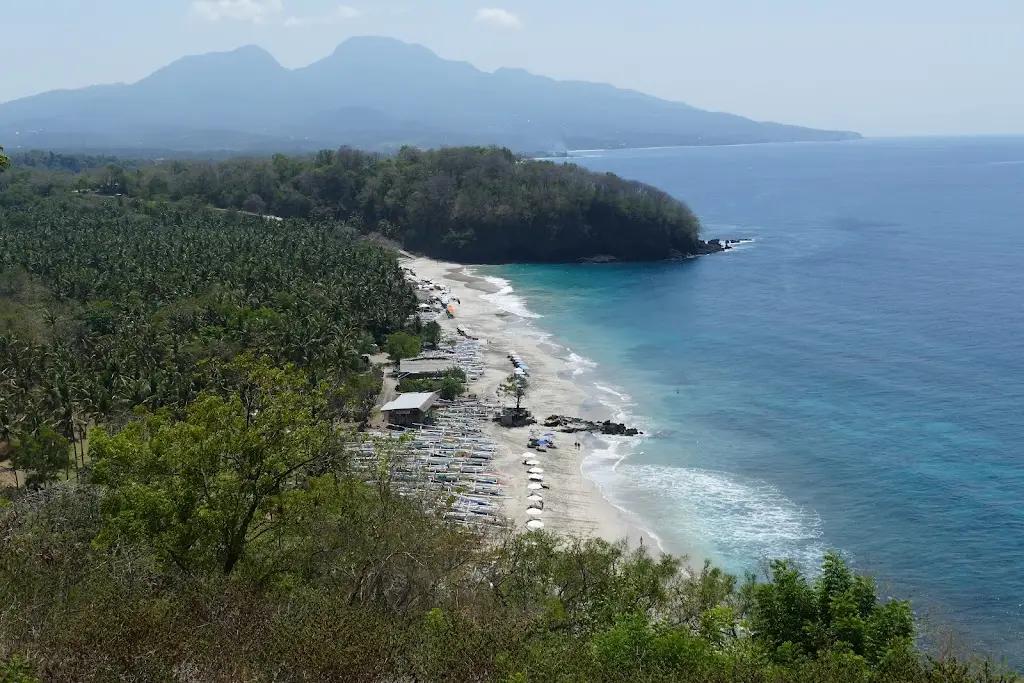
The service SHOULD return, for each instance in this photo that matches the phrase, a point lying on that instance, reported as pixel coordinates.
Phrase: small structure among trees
(427, 368)
(409, 409)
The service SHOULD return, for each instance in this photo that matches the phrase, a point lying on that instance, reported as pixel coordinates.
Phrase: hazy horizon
(924, 69)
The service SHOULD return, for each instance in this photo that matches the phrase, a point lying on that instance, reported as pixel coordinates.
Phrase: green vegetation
(340, 580)
(466, 204)
(5, 163)
(44, 454)
(451, 384)
(202, 372)
(199, 491)
(108, 307)
(431, 334)
(403, 345)
(514, 386)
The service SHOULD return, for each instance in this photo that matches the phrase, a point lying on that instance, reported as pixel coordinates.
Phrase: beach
(573, 504)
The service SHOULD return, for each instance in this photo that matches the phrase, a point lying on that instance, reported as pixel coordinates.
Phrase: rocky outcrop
(571, 425)
(600, 258)
(701, 248)
(716, 245)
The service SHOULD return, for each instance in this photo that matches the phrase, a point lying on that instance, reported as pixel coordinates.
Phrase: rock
(713, 246)
(599, 258)
(572, 425)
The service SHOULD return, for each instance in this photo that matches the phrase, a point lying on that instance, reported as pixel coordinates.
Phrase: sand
(573, 504)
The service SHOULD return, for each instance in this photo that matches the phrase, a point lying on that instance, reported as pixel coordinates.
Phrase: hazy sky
(882, 67)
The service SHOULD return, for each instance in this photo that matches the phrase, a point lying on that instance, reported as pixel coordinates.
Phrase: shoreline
(573, 504)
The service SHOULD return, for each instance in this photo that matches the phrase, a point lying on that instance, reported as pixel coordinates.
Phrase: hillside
(375, 93)
(467, 204)
(220, 526)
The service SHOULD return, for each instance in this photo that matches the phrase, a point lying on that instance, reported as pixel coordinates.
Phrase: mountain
(371, 92)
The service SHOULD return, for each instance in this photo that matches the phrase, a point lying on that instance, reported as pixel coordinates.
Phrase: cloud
(254, 11)
(345, 12)
(492, 16)
(340, 13)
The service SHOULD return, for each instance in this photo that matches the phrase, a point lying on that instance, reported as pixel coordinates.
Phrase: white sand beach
(573, 504)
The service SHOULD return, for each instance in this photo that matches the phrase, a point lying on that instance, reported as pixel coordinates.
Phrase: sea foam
(505, 300)
(578, 364)
(740, 523)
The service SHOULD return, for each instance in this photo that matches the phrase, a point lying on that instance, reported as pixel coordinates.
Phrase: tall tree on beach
(514, 386)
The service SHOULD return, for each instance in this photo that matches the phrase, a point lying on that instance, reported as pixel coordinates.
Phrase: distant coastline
(555, 155)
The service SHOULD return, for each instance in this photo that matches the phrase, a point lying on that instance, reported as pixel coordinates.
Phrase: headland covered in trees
(180, 388)
(471, 204)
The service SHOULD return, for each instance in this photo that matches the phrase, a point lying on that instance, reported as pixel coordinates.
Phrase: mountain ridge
(423, 100)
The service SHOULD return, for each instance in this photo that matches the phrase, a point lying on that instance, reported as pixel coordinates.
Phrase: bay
(853, 379)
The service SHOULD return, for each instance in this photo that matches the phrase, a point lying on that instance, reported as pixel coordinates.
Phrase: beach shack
(409, 409)
(426, 368)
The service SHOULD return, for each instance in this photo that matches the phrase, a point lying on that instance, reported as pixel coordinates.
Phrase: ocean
(852, 379)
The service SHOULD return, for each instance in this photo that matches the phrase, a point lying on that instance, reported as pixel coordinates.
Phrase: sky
(880, 67)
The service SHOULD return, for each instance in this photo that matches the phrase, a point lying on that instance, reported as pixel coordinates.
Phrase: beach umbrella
(535, 498)
(536, 477)
(529, 455)
(535, 470)
(534, 512)
(534, 524)
(548, 434)
(534, 487)
(531, 462)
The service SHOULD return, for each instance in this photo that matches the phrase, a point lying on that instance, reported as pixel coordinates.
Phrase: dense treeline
(73, 163)
(201, 373)
(468, 204)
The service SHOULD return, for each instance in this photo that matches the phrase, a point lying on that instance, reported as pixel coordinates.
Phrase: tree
(431, 334)
(402, 345)
(202, 491)
(514, 386)
(5, 163)
(254, 204)
(795, 618)
(43, 454)
(453, 383)
(359, 395)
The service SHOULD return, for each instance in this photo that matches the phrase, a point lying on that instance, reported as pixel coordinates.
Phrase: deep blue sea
(853, 379)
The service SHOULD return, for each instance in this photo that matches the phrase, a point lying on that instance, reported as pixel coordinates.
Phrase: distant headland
(466, 204)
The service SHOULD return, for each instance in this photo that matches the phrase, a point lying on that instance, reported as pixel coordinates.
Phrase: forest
(178, 388)
(468, 204)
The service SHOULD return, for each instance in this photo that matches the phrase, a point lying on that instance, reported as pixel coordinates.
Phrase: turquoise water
(853, 379)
